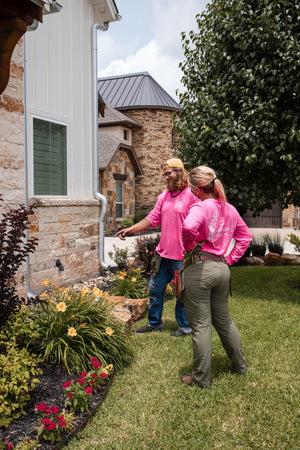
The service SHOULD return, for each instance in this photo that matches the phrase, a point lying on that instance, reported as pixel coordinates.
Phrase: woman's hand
(123, 233)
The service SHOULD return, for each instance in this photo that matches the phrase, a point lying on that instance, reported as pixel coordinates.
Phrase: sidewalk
(110, 242)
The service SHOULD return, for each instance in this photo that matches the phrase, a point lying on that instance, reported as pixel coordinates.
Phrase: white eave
(105, 11)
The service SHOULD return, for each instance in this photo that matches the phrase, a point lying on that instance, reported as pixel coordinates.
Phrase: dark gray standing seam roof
(136, 90)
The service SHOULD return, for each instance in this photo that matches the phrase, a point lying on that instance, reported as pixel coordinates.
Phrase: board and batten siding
(59, 88)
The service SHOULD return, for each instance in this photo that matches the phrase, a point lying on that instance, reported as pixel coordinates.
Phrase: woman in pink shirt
(206, 280)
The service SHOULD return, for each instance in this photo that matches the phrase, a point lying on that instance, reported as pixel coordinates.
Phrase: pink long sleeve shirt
(170, 212)
(217, 223)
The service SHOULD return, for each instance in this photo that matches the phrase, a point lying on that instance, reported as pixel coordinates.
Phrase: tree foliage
(240, 110)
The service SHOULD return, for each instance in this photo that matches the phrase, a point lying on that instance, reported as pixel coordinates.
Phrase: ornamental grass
(76, 326)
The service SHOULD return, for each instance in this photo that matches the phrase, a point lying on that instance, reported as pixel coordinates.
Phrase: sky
(148, 38)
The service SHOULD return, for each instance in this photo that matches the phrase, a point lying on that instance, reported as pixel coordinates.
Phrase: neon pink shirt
(170, 212)
(217, 223)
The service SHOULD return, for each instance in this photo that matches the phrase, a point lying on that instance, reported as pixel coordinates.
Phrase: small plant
(258, 247)
(130, 284)
(295, 240)
(6, 445)
(75, 326)
(144, 250)
(16, 368)
(13, 251)
(79, 393)
(53, 423)
(274, 243)
(120, 257)
(127, 223)
(169, 291)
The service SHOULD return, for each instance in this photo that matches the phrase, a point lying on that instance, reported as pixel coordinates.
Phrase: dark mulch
(50, 391)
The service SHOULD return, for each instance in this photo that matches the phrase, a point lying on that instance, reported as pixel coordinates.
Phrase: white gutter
(97, 194)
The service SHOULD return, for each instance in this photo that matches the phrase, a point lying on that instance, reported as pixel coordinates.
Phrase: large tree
(240, 109)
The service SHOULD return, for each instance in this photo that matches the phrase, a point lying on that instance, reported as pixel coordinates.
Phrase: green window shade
(119, 199)
(49, 158)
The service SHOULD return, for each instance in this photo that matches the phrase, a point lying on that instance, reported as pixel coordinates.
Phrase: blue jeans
(157, 286)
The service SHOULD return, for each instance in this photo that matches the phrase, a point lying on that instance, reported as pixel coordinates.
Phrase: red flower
(88, 390)
(96, 365)
(70, 395)
(83, 374)
(94, 359)
(103, 375)
(50, 425)
(81, 381)
(41, 407)
(54, 409)
(145, 290)
(8, 446)
(67, 384)
(62, 423)
(94, 375)
(45, 420)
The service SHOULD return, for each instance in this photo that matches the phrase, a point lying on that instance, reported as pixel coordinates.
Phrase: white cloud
(160, 56)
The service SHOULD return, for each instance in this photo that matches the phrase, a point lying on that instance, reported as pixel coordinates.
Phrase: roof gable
(112, 116)
(136, 90)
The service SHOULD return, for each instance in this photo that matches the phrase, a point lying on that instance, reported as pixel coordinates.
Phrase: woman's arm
(140, 226)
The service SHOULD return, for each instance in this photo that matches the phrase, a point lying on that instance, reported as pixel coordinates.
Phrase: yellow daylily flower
(133, 279)
(121, 277)
(44, 294)
(109, 367)
(97, 292)
(45, 283)
(72, 332)
(85, 290)
(62, 307)
(109, 331)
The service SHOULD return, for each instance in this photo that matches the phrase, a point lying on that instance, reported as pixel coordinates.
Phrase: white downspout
(30, 294)
(100, 197)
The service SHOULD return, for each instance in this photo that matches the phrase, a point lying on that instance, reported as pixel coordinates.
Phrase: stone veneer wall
(12, 172)
(67, 230)
(120, 164)
(152, 144)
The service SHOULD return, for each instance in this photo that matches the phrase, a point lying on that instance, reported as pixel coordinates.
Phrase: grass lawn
(148, 407)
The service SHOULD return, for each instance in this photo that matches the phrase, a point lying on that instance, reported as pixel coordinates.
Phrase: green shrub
(16, 368)
(144, 249)
(76, 326)
(295, 240)
(127, 223)
(140, 216)
(258, 247)
(120, 257)
(274, 243)
(130, 284)
(19, 327)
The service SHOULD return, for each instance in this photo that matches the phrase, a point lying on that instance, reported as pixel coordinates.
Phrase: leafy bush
(139, 217)
(144, 249)
(76, 326)
(18, 327)
(258, 247)
(295, 240)
(16, 368)
(120, 257)
(13, 251)
(127, 223)
(130, 284)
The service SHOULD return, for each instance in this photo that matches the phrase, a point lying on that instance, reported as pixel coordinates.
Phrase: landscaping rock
(290, 260)
(137, 306)
(253, 261)
(272, 259)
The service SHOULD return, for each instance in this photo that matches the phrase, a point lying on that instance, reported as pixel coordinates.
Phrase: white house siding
(59, 89)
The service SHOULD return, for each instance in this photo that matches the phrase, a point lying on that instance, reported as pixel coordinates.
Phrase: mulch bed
(50, 390)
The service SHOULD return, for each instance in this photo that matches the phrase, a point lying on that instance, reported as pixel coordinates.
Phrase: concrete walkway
(110, 242)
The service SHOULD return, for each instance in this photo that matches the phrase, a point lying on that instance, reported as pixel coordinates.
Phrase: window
(119, 199)
(49, 158)
(125, 135)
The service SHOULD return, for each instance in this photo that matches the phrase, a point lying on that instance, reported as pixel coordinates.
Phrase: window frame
(118, 182)
(67, 129)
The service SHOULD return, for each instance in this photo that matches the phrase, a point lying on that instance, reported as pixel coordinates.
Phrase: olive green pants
(205, 297)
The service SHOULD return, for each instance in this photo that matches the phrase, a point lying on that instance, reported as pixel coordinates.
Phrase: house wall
(120, 164)
(12, 173)
(58, 88)
(152, 144)
(118, 131)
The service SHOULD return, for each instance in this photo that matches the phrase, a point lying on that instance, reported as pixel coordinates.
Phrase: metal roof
(135, 90)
